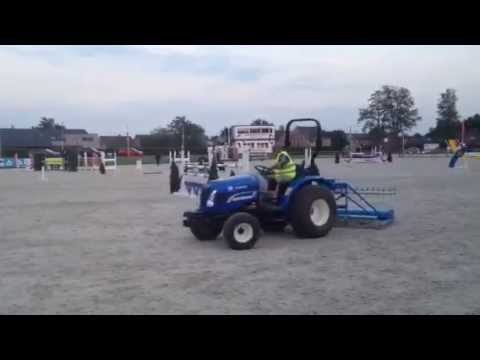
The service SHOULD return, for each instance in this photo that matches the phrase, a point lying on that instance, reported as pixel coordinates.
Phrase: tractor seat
(299, 170)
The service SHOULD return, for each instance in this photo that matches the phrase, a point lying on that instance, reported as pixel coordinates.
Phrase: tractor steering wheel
(263, 170)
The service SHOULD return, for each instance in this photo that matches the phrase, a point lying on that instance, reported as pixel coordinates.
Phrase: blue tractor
(241, 206)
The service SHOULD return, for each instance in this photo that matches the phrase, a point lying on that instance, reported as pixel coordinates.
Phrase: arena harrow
(353, 208)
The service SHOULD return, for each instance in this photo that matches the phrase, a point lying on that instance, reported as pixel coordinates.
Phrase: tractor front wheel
(204, 229)
(241, 231)
(313, 211)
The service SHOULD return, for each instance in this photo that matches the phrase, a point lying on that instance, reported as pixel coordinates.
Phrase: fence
(441, 155)
(93, 162)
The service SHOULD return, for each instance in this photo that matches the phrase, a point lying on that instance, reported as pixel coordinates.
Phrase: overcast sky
(105, 88)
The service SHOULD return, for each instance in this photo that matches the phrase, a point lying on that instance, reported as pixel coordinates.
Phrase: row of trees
(179, 130)
(193, 136)
(195, 140)
(391, 111)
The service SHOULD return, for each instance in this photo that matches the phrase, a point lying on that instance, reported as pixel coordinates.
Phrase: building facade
(82, 140)
(303, 137)
(26, 141)
(360, 142)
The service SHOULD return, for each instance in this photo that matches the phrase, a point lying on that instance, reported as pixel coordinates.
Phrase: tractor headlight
(211, 198)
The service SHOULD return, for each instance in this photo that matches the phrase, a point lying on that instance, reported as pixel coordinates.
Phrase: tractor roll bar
(318, 140)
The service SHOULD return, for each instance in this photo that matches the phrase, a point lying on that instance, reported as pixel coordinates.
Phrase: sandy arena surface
(84, 243)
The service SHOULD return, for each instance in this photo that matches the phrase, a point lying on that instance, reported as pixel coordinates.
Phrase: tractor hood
(235, 183)
(228, 195)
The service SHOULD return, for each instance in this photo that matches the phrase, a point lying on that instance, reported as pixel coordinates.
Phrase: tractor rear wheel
(241, 231)
(313, 211)
(204, 229)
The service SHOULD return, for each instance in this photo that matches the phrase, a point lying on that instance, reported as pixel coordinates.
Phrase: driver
(284, 171)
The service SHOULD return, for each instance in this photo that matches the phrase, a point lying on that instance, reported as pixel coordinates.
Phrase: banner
(54, 161)
(12, 163)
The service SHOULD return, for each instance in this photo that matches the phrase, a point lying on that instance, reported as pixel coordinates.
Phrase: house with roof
(81, 139)
(310, 133)
(25, 142)
(303, 137)
(472, 138)
(360, 142)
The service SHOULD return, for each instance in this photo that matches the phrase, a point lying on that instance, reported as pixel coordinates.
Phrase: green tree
(160, 141)
(378, 134)
(262, 122)
(339, 140)
(49, 123)
(448, 120)
(390, 111)
(215, 139)
(46, 123)
(224, 136)
(170, 138)
(447, 107)
(193, 134)
(473, 122)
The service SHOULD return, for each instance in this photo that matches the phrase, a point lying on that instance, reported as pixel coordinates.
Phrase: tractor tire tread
(232, 222)
(300, 211)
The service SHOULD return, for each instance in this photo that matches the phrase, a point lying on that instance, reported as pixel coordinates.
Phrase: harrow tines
(376, 190)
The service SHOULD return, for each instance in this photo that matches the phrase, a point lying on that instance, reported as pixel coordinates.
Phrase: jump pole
(43, 173)
(244, 161)
(209, 155)
(115, 157)
(182, 153)
(308, 156)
